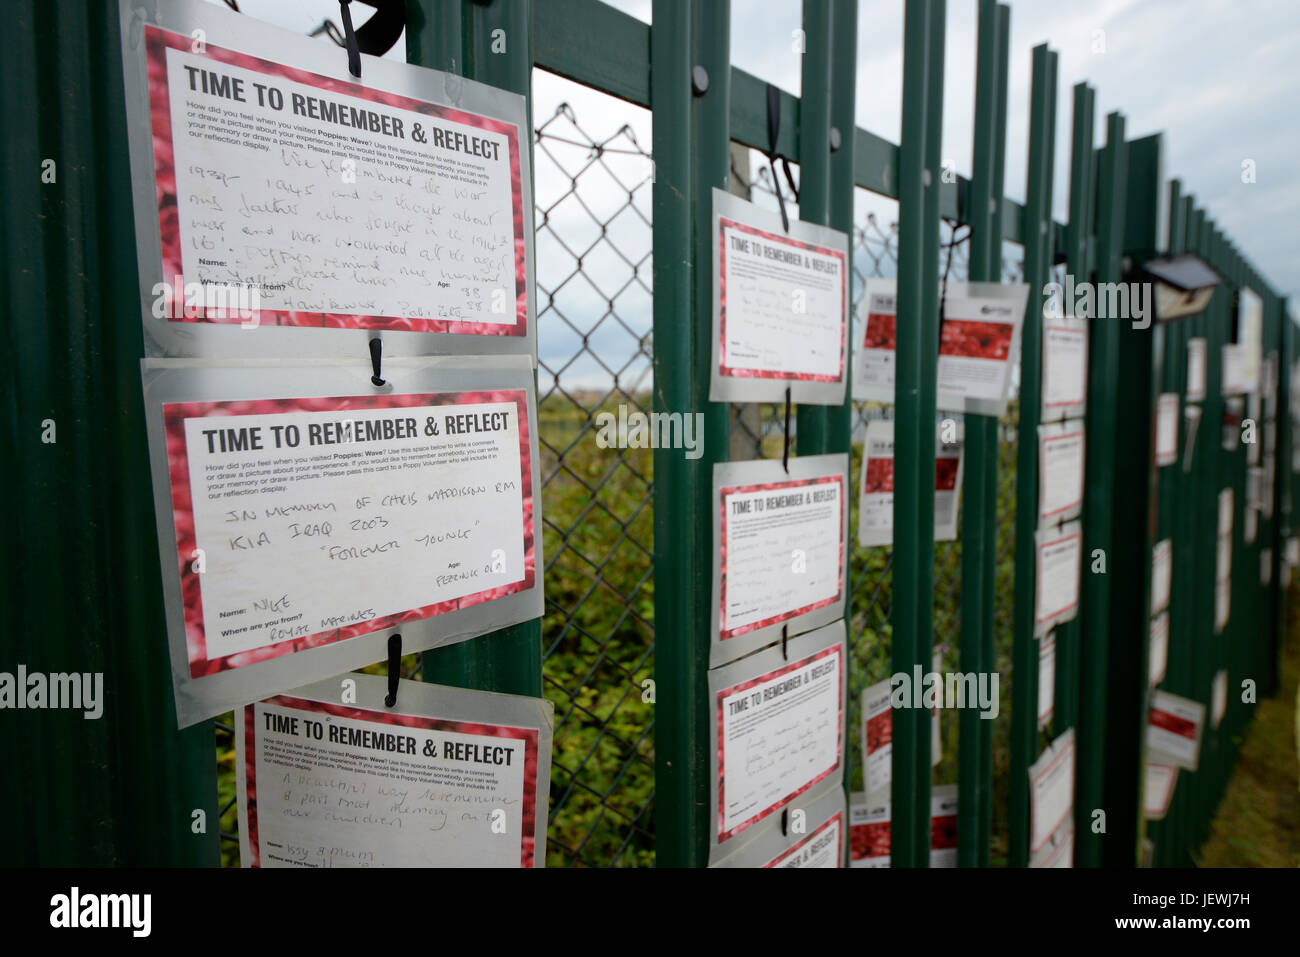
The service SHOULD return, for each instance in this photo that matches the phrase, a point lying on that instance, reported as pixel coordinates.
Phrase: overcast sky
(1220, 78)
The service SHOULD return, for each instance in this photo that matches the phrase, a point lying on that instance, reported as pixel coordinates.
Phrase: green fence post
(989, 651)
(1098, 504)
(694, 134)
(815, 171)
(979, 482)
(844, 63)
(1038, 263)
(457, 36)
(913, 561)
(1078, 245)
(1138, 360)
(86, 595)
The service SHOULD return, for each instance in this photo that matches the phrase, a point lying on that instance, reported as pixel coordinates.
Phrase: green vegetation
(1258, 822)
(598, 633)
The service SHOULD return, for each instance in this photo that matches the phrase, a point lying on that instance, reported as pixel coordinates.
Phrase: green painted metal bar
(681, 752)
(1135, 525)
(1175, 517)
(979, 484)
(508, 660)
(85, 596)
(1212, 468)
(934, 190)
(815, 170)
(843, 84)
(989, 650)
(591, 43)
(1098, 505)
(435, 38)
(914, 451)
(1066, 692)
(1038, 260)
(698, 159)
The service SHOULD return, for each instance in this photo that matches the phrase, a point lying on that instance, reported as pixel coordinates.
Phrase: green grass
(1258, 821)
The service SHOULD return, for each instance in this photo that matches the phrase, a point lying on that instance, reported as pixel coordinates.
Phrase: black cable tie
(376, 359)
(350, 39)
(785, 639)
(773, 134)
(785, 454)
(785, 822)
(394, 668)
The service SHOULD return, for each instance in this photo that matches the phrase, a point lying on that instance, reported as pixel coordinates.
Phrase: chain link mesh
(594, 295)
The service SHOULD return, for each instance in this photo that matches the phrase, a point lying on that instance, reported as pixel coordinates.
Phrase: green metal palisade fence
(630, 786)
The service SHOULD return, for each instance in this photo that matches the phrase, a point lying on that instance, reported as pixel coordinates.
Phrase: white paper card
(874, 362)
(1158, 790)
(306, 515)
(876, 488)
(780, 549)
(1162, 556)
(868, 831)
(777, 728)
(780, 307)
(1056, 579)
(445, 778)
(1051, 790)
(1065, 368)
(266, 176)
(1158, 649)
(1060, 472)
(1167, 429)
(979, 342)
(1195, 370)
(1174, 730)
(1046, 678)
(1218, 698)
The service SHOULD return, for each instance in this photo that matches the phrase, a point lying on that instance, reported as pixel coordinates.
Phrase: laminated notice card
(780, 550)
(1065, 368)
(283, 208)
(869, 829)
(1158, 790)
(1162, 557)
(780, 307)
(876, 490)
(875, 361)
(777, 727)
(1158, 649)
(1060, 472)
(877, 736)
(1174, 728)
(328, 776)
(1195, 370)
(1218, 697)
(1167, 428)
(1051, 790)
(1046, 678)
(1058, 851)
(305, 515)
(816, 836)
(943, 826)
(979, 342)
(1056, 575)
